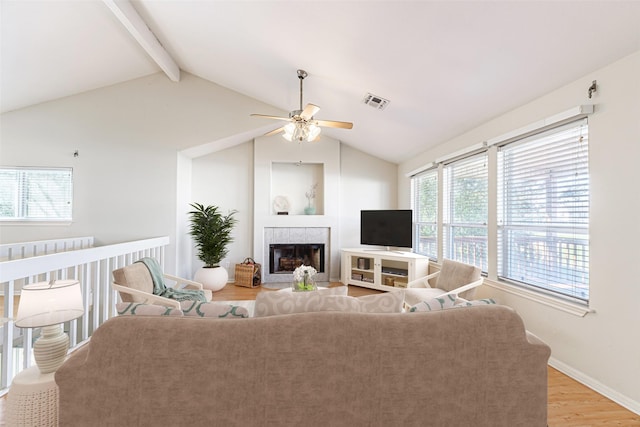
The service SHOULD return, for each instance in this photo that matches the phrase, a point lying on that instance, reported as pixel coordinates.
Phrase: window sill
(570, 307)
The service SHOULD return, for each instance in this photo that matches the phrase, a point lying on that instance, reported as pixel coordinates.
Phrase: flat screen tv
(390, 228)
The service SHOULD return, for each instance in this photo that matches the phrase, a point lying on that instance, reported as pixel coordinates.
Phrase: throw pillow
(140, 309)
(484, 301)
(270, 303)
(434, 304)
(213, 309)
(342, 303)
(388, 302)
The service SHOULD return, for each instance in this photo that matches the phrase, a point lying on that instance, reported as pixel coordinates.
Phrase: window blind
(466, 210)
(425, 208)
(543, 211)
(36, 194)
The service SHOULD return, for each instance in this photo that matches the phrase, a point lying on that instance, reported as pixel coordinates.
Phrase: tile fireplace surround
(294, 235)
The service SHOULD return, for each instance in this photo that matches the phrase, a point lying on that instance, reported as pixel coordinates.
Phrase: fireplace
(286, 257)
(286, 248)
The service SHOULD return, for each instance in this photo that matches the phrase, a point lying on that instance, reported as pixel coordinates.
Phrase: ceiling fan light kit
(302, 126)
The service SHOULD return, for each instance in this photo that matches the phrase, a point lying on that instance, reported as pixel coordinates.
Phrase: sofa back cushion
(135, 276)
(465, 367)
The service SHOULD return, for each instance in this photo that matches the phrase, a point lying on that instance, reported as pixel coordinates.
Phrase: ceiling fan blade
(271, 117)
(334, 124)
(273, 132)
(309, 111)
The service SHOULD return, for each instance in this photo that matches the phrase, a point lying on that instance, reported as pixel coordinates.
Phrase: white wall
(225, 179)
(601, 349)
(358, 181)
(128, 137)
(366, 182)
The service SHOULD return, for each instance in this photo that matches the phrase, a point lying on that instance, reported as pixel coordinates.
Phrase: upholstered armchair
(454, 278)
(134, 283)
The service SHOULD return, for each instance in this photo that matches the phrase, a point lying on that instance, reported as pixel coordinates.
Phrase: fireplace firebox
(285, 258)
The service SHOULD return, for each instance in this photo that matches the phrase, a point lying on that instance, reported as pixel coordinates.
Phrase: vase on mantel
(310, 210)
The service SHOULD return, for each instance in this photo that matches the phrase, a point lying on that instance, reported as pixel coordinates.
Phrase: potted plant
(211, 232)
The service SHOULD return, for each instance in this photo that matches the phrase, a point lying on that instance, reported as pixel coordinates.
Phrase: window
(465, 210)
(425, 208)
(543, 211)
(40, 194)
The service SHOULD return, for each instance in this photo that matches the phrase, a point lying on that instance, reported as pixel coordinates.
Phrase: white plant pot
(214, 278)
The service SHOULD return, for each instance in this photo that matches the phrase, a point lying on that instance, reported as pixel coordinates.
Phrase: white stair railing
(92, 267)
(10, 251)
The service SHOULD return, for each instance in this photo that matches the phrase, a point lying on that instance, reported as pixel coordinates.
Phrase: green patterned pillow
(434, 304)
(485, 301)
(213, 309)
(141, 309)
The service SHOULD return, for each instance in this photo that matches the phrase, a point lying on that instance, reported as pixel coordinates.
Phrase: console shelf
(381, 270)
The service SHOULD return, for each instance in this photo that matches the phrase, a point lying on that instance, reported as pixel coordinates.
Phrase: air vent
(376, 102)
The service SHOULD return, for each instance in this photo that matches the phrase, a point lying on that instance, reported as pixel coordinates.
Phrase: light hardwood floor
(571, 404)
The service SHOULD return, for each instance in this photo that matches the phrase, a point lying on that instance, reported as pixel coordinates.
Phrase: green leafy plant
(212, 232)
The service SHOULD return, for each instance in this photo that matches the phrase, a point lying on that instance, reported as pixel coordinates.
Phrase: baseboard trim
(595, 385)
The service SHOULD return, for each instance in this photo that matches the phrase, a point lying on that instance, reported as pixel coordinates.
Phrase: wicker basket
(248, 274)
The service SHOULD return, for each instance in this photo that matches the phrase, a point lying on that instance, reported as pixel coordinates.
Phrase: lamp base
(50, 350)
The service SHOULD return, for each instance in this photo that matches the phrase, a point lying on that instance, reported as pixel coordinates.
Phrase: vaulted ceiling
(445, 66)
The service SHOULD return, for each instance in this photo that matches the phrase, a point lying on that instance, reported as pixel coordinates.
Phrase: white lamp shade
(301, 131)
(49, 303)
(314, 132)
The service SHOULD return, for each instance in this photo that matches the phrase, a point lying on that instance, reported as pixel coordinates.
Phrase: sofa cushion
(434, 304)
(388, 302)
(213, 309)
(139, 309)
(270, 303)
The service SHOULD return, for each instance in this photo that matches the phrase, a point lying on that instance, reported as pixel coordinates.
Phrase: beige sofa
(474, 366)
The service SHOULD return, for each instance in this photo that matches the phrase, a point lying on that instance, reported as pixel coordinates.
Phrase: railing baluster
(7, 337)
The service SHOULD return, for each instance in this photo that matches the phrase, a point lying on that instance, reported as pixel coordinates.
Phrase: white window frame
(546, 172)
(578, 307)
(430, 221)
(56, 201)
(474, 251)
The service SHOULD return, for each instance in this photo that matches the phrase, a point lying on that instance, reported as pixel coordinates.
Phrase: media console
(381, 270)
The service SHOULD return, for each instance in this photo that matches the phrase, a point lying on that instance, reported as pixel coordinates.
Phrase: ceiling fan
(302, 126)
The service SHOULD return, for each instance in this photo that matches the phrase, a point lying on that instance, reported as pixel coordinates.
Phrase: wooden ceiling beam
(133, 22)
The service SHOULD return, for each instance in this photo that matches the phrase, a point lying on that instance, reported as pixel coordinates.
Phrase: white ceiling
(445, 66)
